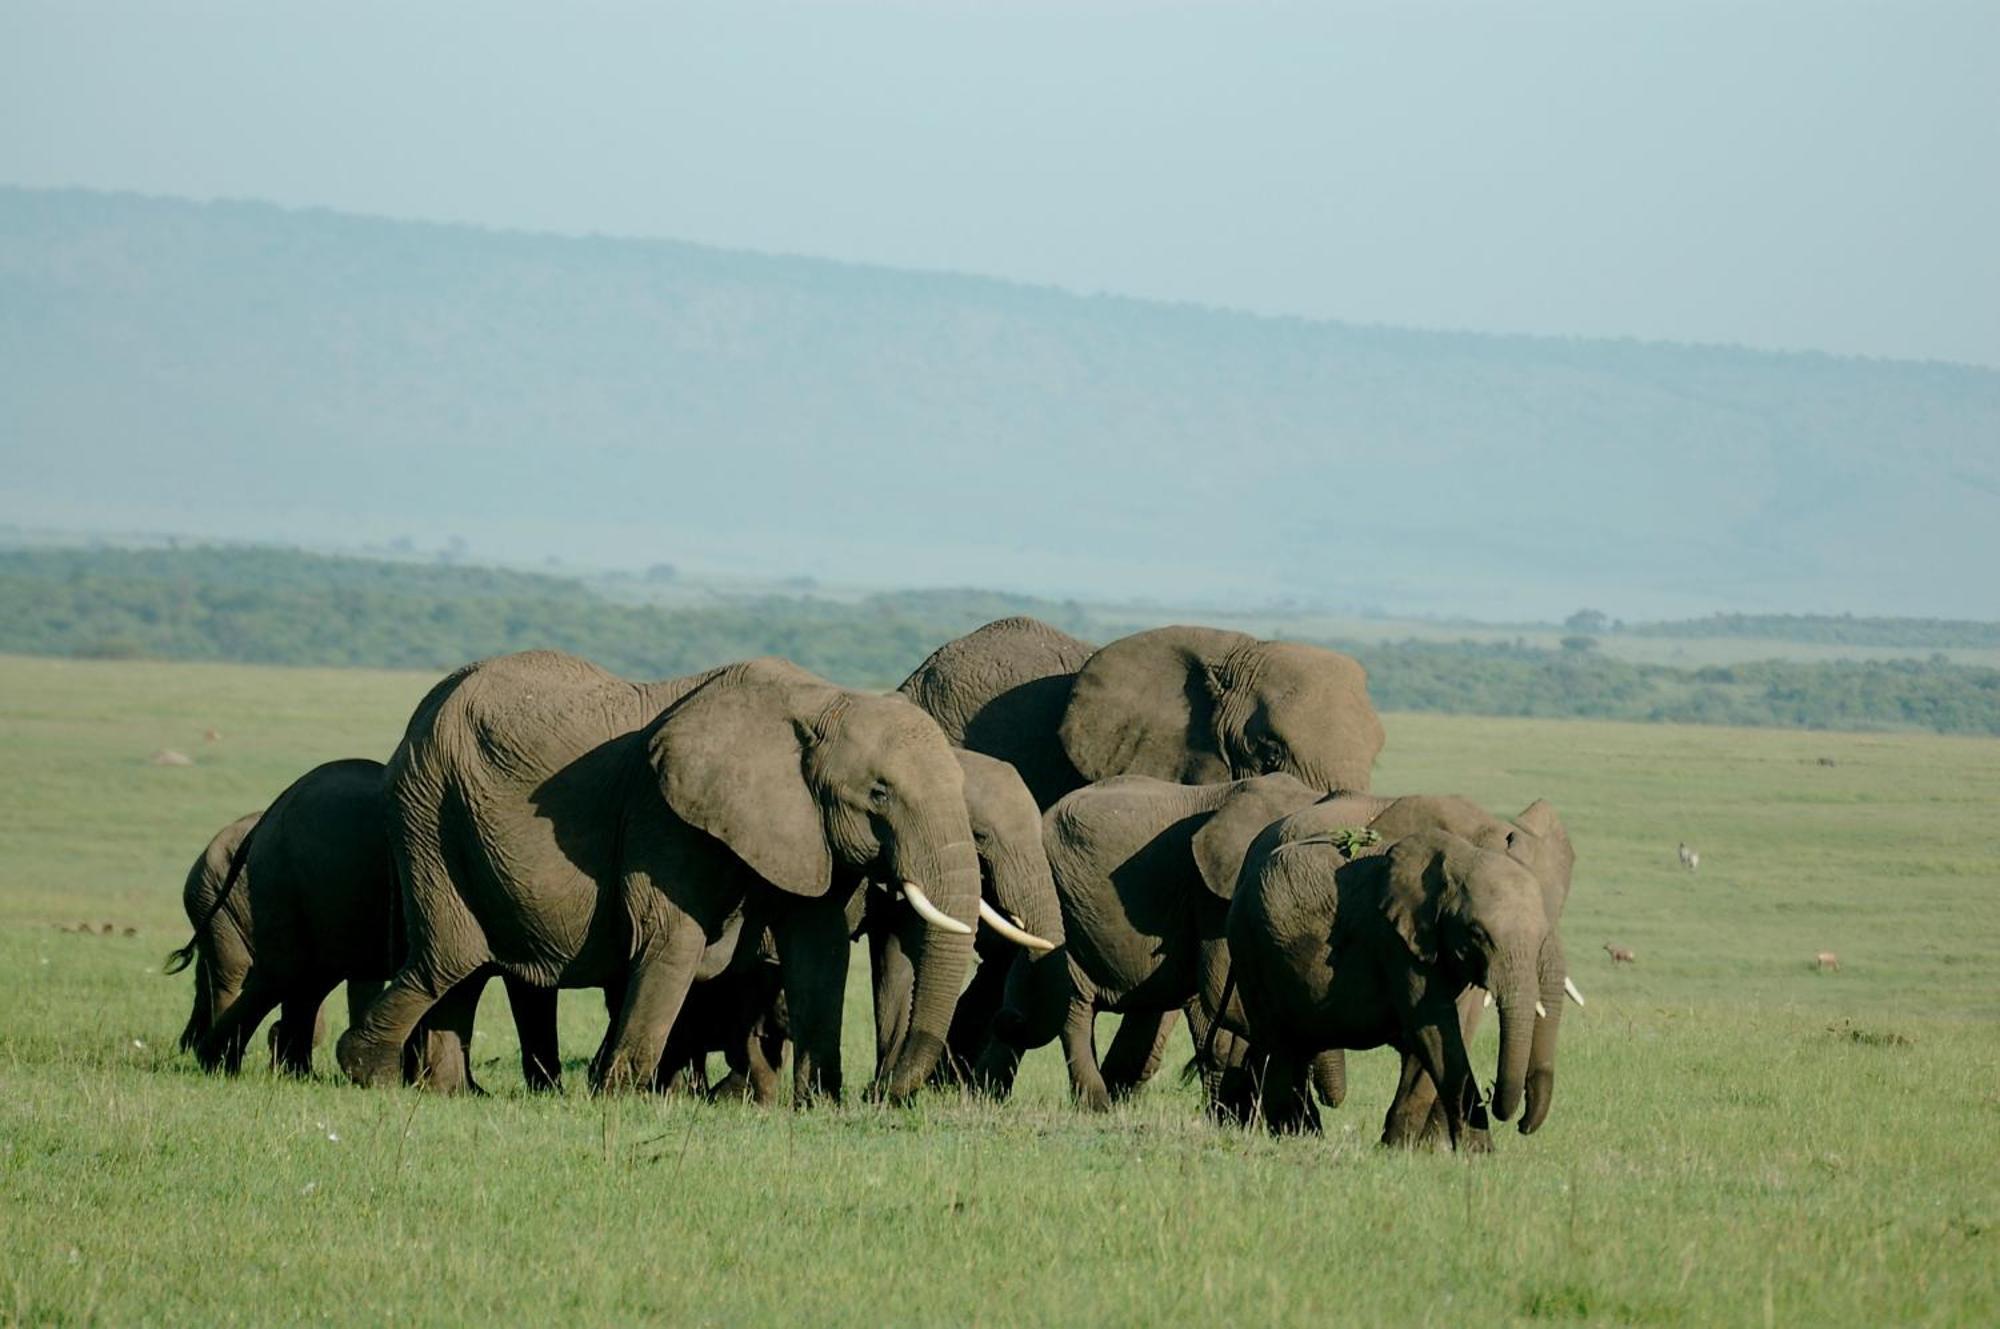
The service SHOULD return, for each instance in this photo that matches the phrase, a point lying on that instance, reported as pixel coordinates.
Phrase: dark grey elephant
(567, 828)
(1191, 705)
(304, 902)
(1331, 951)
(1144, 870)
(1536, 839)
(288, 904)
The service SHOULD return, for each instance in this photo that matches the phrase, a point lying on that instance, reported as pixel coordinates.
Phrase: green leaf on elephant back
(1350, 840)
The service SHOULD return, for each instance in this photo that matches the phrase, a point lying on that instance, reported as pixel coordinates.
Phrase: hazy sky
(1800, 174)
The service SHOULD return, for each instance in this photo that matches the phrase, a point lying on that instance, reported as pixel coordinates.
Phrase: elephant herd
(1029, 831)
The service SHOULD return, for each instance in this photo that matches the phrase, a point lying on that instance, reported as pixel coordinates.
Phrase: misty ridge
(241, 371)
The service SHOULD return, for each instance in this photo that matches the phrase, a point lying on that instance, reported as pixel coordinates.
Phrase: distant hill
(244, 371)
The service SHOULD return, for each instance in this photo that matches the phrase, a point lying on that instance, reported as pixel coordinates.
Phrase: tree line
(285, 607)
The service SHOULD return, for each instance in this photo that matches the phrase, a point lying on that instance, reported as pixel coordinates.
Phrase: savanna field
(1737, 1138)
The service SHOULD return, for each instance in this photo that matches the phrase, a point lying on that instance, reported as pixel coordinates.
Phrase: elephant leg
(1079, 1040)
(1442, 1052)
(300, 1021)
(972, 1023)
(1417, 1104)
(534, 1008)
(230, 1034)
(614, 1002)
(1136, 1050)
(893, 980)
(446, 1042)
(1288, 1106)
(360, 992)
(764, 1051)
(813, 949)
(202, 1017)
(372, 1050)
(655, 989)
(1329, 1077)
(1403, 1127)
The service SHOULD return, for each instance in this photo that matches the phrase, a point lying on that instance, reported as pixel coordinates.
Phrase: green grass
(1736, 1138)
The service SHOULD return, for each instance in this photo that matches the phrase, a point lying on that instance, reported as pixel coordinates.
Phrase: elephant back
(1001, 690)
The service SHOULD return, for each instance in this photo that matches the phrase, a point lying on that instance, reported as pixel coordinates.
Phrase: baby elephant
(1332, 952)
(285, 906)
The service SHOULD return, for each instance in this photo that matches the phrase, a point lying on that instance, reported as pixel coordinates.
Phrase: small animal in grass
(1827, 962)
(1620, 954)
(211, 735)
(1690, 859)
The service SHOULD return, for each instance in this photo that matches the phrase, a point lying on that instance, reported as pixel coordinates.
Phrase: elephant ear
(1145, 705)
(1225, 838)
(1420, 889)
(730, 759)
(1549, 856)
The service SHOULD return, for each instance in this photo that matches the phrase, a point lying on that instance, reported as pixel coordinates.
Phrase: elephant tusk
(1569, 986)
(1011, 930)
(1485, 999)
(930, 913)
(1541, 1011)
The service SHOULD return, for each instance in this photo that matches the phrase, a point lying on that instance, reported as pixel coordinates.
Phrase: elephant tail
(178, 960)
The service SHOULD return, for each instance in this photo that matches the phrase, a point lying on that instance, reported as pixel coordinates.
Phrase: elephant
(568, 828)
(1332, 951)
(1019, 993)
(1017, 998)
(1536, 839)
(286, 904)
(1144, 869)
(1192, 705)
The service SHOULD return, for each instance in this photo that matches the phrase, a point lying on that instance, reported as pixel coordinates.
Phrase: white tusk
(1011, 930)
(1569, 986)
(1541, 1011)
(930, 913)
(1485, 999)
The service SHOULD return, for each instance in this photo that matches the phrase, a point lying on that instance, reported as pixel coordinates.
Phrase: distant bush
(1832, 629)
(277, 606)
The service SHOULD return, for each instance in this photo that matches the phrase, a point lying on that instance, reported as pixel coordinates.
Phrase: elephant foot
(619, 1074)
(993, 1074)
(921, 1053)
(1092, 1097)
(367, 1062)
(1473, 1140)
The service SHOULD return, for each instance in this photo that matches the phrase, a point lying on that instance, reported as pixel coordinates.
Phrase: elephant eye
(878, 794)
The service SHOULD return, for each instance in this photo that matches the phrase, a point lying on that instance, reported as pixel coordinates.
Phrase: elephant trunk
(1038, 988)
(1513, 982)
(1541, 1088)
(949, 876)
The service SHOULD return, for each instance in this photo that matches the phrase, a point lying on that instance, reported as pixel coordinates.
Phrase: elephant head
(1474, 915)
(1204, 706)
(1539, 842)
(800, 778)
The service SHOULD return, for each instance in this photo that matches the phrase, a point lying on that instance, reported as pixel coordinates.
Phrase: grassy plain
(1737, 1139)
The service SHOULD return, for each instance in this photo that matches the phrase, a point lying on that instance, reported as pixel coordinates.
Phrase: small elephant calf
(1620, 954)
